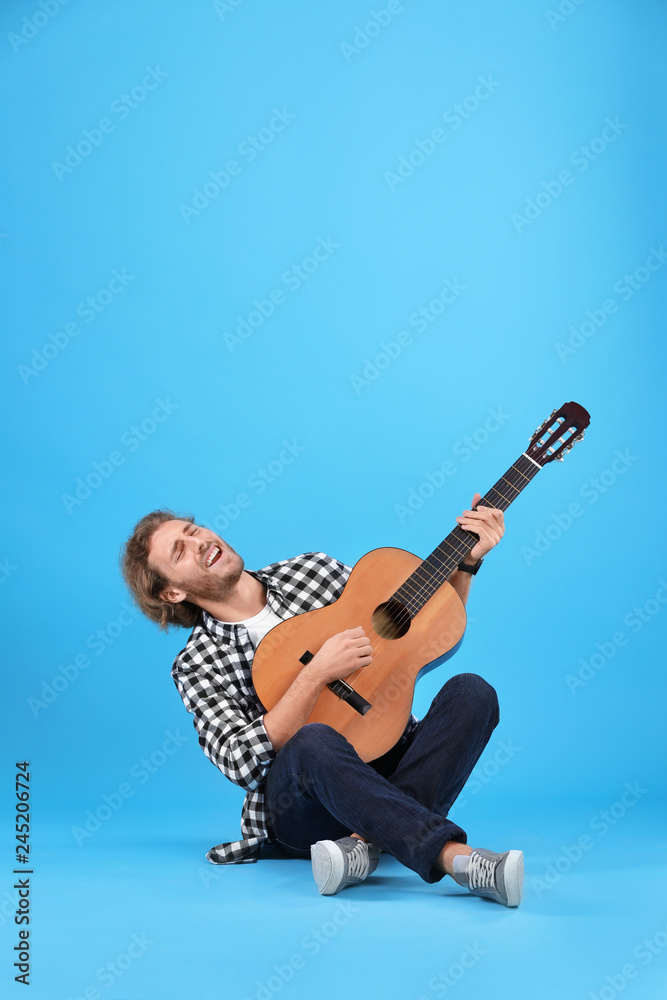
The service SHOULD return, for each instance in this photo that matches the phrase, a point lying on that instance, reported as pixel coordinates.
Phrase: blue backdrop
(314, 273)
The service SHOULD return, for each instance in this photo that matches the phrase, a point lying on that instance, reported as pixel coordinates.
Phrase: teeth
(212, 555)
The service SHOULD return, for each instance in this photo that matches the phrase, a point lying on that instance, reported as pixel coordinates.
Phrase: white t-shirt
(259, 624)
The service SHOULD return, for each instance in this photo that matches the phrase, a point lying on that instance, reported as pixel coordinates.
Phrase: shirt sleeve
(234, 741)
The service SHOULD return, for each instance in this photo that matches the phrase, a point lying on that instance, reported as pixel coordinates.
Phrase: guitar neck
(444, 560)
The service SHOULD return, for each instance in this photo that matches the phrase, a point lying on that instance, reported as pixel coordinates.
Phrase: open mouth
(212, 556)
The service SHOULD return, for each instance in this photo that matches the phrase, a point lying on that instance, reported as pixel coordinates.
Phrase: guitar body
(388, 682)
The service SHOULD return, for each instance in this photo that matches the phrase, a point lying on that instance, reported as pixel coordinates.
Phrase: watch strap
(471, 569)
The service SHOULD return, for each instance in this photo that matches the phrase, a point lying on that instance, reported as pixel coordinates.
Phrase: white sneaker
(485, 873)
(339, 863)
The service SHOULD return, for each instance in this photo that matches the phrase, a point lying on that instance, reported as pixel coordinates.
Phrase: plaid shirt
(213, 677)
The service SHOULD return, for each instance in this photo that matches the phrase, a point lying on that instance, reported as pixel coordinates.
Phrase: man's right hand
(341, 655)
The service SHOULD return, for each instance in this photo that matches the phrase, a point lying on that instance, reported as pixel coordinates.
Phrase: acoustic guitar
(413, 617)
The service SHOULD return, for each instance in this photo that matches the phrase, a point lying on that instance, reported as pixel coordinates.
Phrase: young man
(307, 789)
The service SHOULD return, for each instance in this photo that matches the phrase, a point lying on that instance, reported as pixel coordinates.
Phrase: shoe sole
(328, 866)
(513, 875)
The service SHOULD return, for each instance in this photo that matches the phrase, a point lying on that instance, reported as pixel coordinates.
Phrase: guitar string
(434, 580)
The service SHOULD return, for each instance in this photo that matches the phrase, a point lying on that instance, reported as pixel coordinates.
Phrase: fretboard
(444, 560)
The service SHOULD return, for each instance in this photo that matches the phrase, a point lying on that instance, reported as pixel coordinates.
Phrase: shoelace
(357, 861)
(481, 874)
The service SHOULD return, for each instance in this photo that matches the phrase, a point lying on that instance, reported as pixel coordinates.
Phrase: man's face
(195, 561)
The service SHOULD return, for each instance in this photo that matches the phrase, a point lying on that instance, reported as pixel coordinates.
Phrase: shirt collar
(229, 632)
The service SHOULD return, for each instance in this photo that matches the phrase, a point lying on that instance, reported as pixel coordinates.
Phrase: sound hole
(391, 620)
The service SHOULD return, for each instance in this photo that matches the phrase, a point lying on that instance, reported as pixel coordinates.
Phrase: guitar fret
(444, 560)
(521, 473)
(506, 499)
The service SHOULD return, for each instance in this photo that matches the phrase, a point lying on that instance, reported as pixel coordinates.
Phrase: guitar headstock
(558, 433)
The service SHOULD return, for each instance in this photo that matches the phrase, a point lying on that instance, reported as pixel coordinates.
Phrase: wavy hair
(145, 583)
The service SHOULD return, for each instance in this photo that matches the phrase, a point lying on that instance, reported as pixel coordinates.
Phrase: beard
(215, 588)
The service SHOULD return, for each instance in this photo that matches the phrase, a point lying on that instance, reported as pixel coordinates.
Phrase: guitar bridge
(342, 689)
(348, 694)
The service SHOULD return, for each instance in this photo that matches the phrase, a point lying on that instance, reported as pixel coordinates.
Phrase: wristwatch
(471, 569)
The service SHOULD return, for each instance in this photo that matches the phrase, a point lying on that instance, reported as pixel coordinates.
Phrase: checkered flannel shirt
(213, 677)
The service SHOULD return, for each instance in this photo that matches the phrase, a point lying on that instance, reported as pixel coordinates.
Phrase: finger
(476, 498)
(364, 648)
(490, 520)
(467, 518)
(360, 640)
(491, 513)
(482, 530)
(482, 514)
(483, 527)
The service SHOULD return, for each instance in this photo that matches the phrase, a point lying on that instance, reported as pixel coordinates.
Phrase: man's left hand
(488, 523)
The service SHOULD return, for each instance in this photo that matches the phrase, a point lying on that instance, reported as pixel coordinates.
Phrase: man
(307, 790)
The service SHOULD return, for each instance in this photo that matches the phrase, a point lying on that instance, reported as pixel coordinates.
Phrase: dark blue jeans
(318, 788)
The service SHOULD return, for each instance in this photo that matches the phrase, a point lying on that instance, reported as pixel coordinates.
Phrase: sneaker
(498, 876)
(339, 863)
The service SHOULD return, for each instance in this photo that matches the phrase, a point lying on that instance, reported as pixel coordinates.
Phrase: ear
(173, 595)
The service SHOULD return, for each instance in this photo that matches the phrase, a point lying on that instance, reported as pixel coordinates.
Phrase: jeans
(318, 788)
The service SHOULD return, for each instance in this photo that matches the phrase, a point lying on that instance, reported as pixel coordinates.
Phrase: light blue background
(534, 615)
